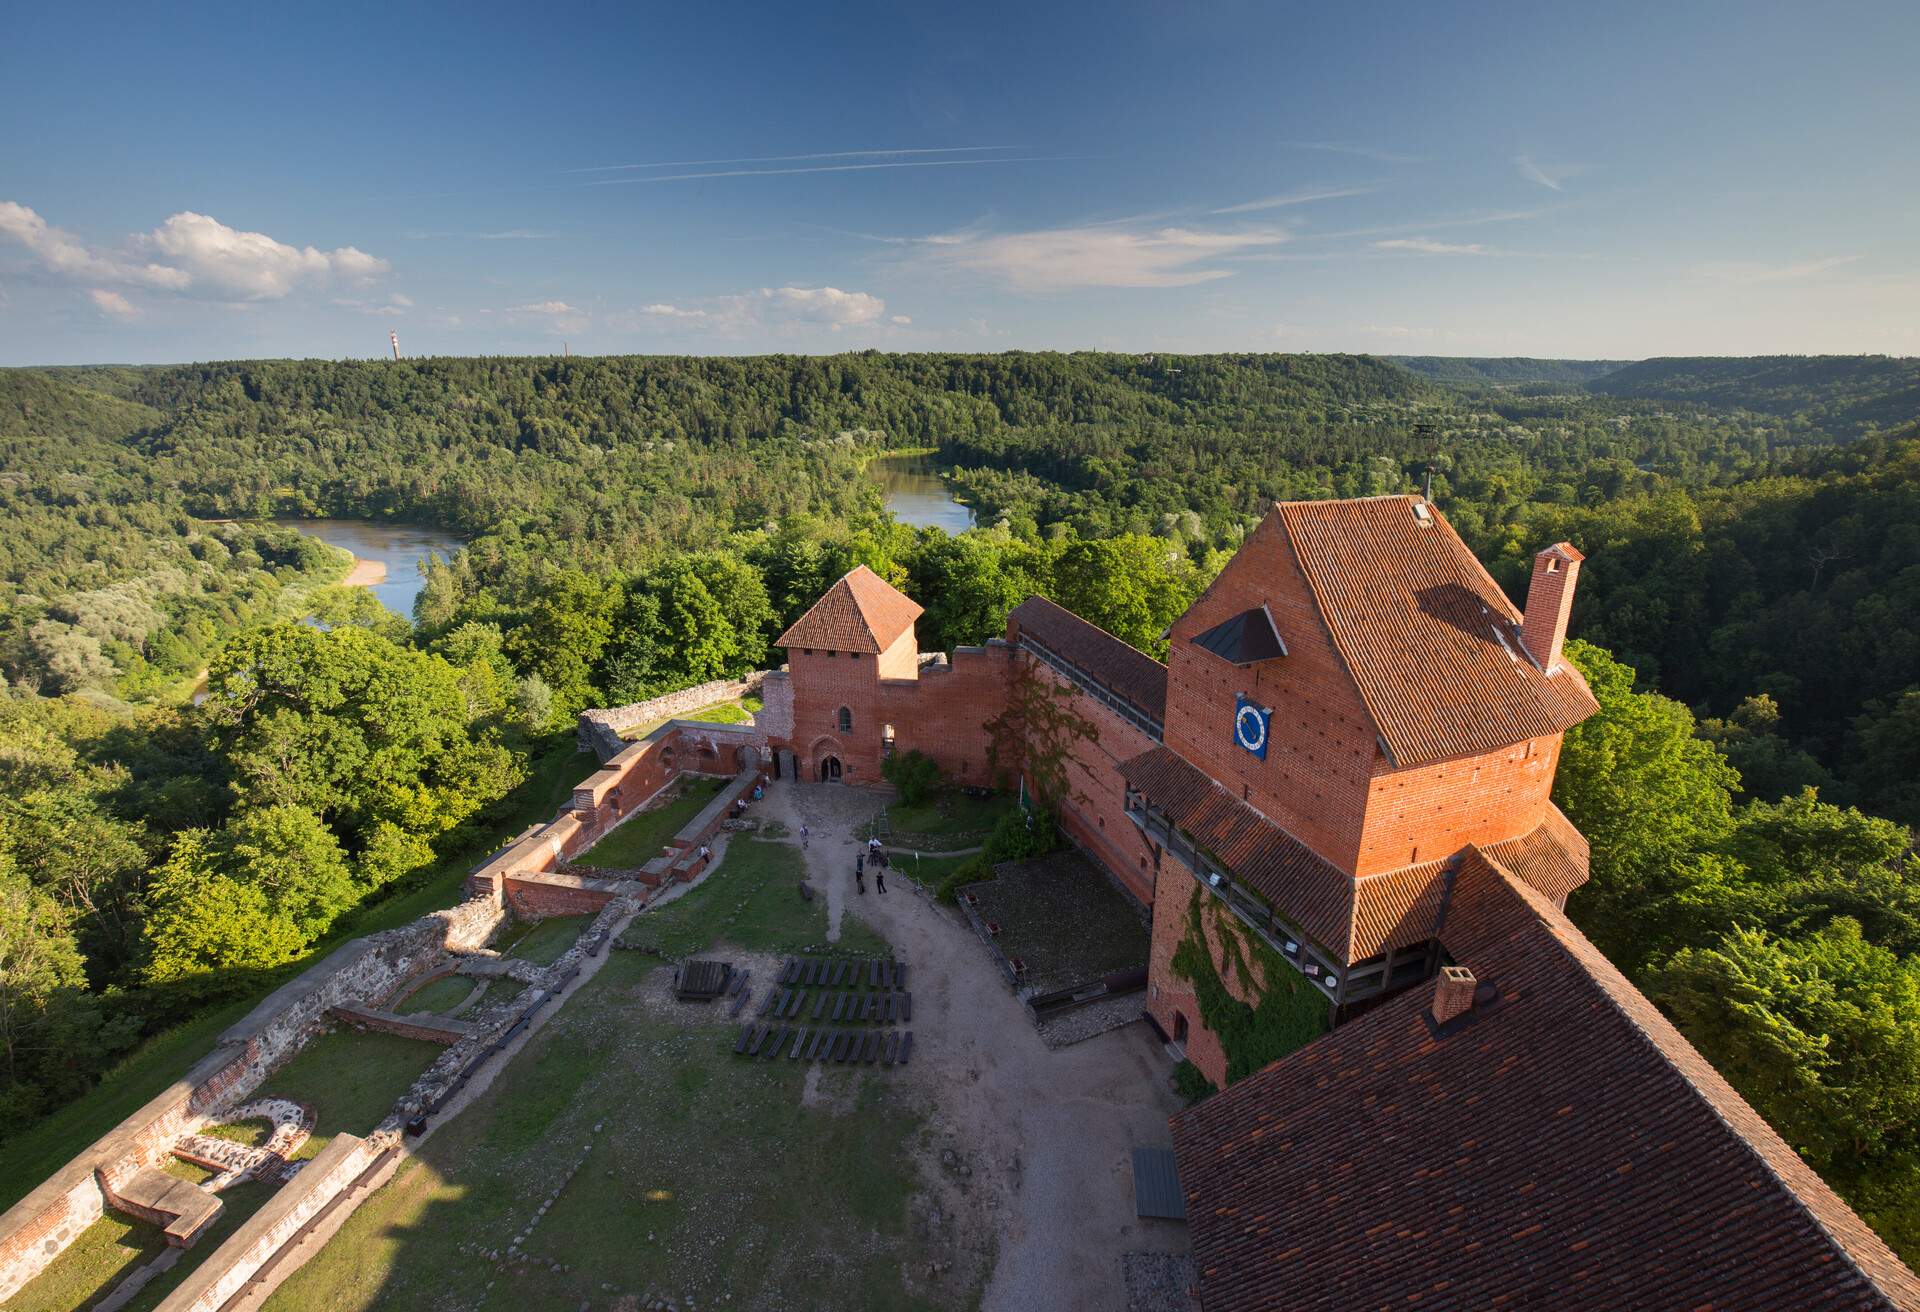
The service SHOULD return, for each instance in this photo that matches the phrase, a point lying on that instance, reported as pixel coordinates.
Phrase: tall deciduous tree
(1647, 793)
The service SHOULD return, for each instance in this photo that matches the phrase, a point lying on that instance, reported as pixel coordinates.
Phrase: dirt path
(1044, 1136)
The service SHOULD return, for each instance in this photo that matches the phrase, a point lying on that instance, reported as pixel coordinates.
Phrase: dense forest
(637, 525)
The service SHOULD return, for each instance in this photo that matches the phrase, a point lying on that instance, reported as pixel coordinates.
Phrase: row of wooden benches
(769, 1041)
(835, 973)
(884, 1008)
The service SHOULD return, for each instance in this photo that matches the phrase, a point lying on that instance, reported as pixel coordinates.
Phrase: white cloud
(901, 320)
(63, 253)
(662, 311)
(251, 265)
(193, 254)
(1109, 255)
(1745, 273)
(543, 307)
(396, 303)
(1551, 176)
(112, 304)
(791, 308)
(1286, 199)
(827, 307)
(1428, 246)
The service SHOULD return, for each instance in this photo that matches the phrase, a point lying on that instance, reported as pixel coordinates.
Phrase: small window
(846, 720)
(806, 651)
(1553, 566)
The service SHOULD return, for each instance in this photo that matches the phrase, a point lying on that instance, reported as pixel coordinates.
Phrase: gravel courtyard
(1043, 1135)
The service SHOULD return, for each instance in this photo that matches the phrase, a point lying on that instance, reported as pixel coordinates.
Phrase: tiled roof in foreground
(1431, 642)
(1121, 668)
(862, 612)
(1562, 1146)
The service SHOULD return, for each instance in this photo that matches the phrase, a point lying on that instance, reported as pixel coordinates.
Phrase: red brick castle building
(1339, 783)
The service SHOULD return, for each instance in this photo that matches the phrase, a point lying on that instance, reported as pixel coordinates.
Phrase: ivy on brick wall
(1289, 1011)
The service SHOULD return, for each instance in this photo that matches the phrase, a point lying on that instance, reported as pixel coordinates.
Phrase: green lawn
(542, 942)
(710, 1180)
(752, 901)
(500, 989)
(28, 1156)
(446, 992)
(741, 711)
(104, 1251)
(251, 1133)
(643, 836)
(945, 822)
(351, 1080)
(242, 1201)
(929, 870)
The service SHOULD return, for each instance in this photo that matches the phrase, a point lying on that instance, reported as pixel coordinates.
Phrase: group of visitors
(878, 857)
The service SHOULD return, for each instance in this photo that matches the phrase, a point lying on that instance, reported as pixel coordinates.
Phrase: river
(916, 495)
(398, 549)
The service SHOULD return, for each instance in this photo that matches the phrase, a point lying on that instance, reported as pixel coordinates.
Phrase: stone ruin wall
(36, 1229)
(525, 874)
(600, 729)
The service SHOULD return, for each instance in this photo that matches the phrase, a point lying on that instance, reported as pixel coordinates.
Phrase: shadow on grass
(184, 1020)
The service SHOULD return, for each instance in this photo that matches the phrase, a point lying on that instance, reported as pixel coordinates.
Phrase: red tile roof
(862, 612)
(1352, 920)
(1561, 1146)
(1428, 637)
(1123, 670)
(1304, 887)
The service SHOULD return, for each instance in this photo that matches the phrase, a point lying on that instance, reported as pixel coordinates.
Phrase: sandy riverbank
(365, 573)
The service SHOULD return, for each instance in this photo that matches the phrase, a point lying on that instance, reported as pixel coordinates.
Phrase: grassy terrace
(28, 1157)
(443, 993)
(947, 822)
(751, 901)
(740, 711)
(708, 1176)
(643, 836)
(104, 1252)
(542, 942)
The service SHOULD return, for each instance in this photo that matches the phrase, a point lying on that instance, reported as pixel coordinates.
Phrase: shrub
(972, 871)
(1190, 1084)
(915, 775)
(1022, 834)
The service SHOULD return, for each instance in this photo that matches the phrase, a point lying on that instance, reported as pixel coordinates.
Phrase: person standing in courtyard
(860, 877)
(880, 879)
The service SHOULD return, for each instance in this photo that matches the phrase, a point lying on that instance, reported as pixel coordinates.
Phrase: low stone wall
(228, 1268)
(35, 1230)
(600, 729)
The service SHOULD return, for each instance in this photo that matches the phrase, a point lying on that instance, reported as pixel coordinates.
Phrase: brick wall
(1321, 748)
(228, 1268)
(1169, 997)
(1094, 814)
(944, 711)
(1432, 811)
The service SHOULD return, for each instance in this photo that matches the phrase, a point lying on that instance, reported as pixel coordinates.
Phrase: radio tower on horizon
(394, 337)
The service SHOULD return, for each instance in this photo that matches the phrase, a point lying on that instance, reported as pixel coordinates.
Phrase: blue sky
(1458, 179)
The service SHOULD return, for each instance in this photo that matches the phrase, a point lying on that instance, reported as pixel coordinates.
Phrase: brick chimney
(1549, 602)
(1452, 993)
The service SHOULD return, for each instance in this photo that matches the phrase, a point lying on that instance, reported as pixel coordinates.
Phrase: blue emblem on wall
(1250, 727)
